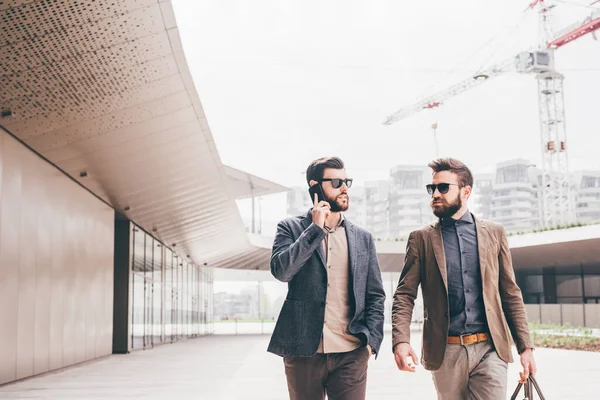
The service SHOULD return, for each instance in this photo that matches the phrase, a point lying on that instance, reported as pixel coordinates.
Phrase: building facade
(376, 204)
(587, 204)
(512, 196)
(80, 281)
(577, 284)
(515, 196)
(408, 200)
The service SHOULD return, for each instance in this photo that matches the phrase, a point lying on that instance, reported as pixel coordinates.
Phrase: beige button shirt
(336, 338)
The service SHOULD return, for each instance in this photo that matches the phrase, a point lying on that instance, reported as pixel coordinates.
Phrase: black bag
(529, 386)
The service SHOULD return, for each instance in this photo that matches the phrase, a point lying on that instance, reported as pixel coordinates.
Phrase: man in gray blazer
(331, 322)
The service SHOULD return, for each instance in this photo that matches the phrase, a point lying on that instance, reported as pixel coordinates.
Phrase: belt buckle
(462, 342)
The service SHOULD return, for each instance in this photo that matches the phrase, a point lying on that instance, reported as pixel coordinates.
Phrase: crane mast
(556, 205)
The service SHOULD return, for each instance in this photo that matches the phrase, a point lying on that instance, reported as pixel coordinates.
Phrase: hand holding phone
(321, 208)
(317, 190)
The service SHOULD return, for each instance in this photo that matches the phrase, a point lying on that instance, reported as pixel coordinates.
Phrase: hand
(320, 212)
(528, 364)
(406, 358)
(371, 350)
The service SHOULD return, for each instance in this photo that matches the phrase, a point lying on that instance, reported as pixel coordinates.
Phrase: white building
(357, 211)
(376, 207)
(587, 203)
(515, 196)
(480, 202)
(408, 202)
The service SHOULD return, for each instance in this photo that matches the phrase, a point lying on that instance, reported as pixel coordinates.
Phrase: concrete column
(122, 281)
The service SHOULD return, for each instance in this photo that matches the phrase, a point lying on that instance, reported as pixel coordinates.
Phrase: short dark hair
(465, 177)
(315, 170)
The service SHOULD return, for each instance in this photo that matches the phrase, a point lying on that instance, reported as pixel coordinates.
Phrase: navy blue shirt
(465, 293)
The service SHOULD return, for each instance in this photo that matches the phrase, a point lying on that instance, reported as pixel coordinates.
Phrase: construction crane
(556, 199)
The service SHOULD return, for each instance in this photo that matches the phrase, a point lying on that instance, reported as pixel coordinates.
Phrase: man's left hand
(528, 364)
(371, 350)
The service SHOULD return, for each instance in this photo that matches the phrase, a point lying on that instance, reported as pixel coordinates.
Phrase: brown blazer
(425, 265)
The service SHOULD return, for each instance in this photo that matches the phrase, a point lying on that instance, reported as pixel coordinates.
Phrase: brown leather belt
(468, 339)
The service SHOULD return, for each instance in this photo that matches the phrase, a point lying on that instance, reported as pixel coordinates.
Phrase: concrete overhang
(103, 91)
(243, 185)
(564, 248)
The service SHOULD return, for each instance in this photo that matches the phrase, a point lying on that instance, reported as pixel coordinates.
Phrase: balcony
(523, 206)
(512, 185)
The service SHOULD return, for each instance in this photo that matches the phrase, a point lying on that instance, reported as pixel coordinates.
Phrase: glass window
(149, 288)
(168, 284)
(171, 298)
(592, 285)
(535, 298)
(588, 182)
(569, 300)
(138, 288)
(533, 284)
(569, 286)
(514, 173)
(180, 295)
(157, 292)
(408, 180)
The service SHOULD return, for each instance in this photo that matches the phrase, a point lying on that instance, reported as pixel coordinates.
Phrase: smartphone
(316, 188)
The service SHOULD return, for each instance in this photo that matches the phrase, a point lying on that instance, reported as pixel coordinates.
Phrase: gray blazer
(298, 259)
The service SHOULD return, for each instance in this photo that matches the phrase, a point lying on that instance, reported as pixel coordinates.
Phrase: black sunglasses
(441, 187)
(337, 182)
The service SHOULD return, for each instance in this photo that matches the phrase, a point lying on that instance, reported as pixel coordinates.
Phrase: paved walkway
(238, 367)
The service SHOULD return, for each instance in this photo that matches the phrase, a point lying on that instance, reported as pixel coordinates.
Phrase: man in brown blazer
(472, 303)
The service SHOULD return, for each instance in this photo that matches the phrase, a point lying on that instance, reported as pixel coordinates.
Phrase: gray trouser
(343, 376)
(473, 372)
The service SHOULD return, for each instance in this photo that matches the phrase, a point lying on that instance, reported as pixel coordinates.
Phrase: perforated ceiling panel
(103, 87)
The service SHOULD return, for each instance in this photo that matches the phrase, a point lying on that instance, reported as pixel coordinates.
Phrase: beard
(446, 209)
(338, 205)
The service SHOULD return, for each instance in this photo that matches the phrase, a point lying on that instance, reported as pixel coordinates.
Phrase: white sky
(283, 82)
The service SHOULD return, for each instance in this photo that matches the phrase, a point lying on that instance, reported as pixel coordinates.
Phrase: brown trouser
(473, 372)
(343, 376)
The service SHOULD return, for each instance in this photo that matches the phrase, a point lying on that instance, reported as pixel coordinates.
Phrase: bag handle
(536, 386)
(529, 389)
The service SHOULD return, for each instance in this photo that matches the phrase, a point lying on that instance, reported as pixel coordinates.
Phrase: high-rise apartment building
(408, 199)
(515, 196)
(587, 203)
(376, 208)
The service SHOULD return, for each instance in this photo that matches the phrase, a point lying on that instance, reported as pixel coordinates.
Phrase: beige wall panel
(572, 314)
(82, 286)
(104, 325)
(27, 259)
(70, 300)
(56, 259)
(92, 301)
(43, 270)
(533, 313)
(10, 227)
(592, 315)
(58, 276)
(551, 314)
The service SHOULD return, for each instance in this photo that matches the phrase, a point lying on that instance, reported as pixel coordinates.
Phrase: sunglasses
(336, 183)
(441, 187)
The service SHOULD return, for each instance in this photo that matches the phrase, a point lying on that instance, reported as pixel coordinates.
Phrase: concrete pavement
(238, 367)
